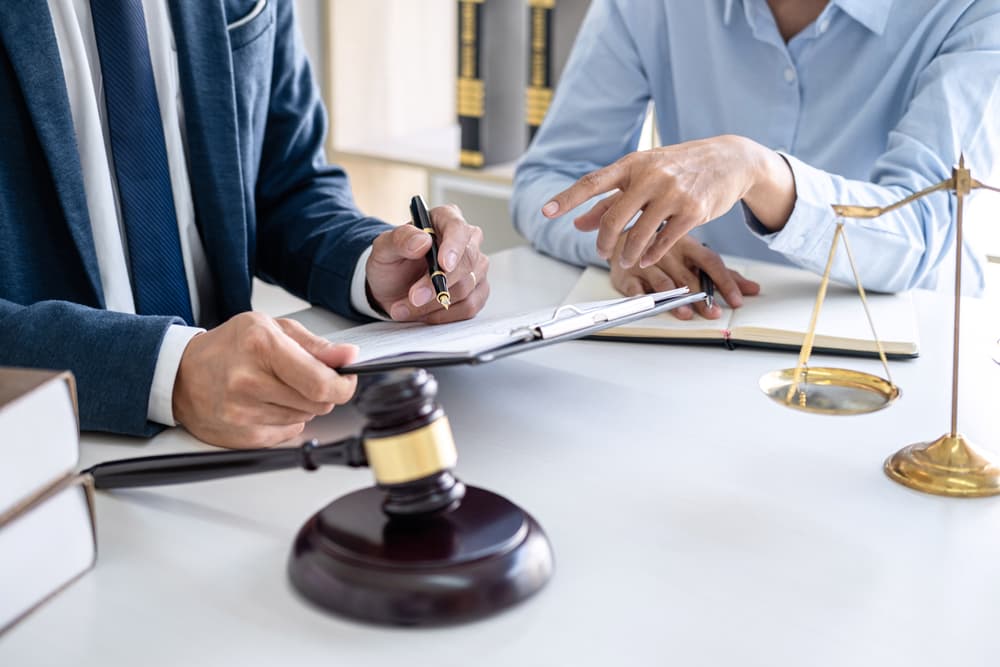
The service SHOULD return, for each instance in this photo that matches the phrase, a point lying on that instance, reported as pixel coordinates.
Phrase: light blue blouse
(871, 102)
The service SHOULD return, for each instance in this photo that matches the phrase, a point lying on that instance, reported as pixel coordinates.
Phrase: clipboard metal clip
(572, 318)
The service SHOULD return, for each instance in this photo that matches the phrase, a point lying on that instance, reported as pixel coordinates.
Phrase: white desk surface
(693, 521)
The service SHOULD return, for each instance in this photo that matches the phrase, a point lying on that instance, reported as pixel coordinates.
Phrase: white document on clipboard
(394, 344)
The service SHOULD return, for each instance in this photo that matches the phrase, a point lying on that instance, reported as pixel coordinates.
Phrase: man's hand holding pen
(399, 280)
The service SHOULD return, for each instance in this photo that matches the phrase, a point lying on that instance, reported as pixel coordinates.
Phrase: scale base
(948, 466)
(479, 558)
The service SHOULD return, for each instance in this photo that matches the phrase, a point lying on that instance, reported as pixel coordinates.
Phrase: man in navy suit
(158, 154)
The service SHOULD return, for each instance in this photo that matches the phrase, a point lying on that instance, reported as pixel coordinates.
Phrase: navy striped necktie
(140, 160)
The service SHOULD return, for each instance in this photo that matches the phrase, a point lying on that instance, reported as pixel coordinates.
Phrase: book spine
(471, 92)
(539, 91)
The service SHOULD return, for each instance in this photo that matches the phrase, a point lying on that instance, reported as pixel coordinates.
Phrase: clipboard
(568, 322)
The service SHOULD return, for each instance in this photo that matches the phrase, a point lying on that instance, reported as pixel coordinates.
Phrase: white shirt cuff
(359, 295)
(161, 393)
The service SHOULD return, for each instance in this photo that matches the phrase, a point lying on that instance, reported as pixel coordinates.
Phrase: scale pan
(829, 391)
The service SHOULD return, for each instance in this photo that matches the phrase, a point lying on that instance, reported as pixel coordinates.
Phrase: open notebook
(778, 317)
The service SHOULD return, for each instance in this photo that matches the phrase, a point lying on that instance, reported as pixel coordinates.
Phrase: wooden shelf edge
(501, 174)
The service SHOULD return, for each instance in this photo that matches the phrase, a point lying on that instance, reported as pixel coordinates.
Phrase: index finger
(455, 234)
(590, 185)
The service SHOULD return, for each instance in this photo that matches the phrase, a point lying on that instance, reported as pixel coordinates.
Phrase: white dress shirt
(74, 30)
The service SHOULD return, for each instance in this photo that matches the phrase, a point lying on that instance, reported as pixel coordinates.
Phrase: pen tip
(444, 300)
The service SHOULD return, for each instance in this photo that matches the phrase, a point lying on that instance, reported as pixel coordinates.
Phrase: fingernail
(551, 208)
(450, 260)
(645, 263)
(400, 312)
(624, 262)
(416, 243)
(422, 296)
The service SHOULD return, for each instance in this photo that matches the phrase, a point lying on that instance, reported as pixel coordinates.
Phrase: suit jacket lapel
(26, 30)
(206, 76)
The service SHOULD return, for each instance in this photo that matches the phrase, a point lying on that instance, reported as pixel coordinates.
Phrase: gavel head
(408, 443)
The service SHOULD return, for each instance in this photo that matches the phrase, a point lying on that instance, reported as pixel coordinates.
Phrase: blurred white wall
(393, 66)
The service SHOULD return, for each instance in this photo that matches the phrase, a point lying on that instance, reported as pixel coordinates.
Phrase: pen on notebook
(707, 286)
(422, 220)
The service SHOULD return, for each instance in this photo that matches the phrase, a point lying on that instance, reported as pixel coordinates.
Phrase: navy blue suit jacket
(265, 201)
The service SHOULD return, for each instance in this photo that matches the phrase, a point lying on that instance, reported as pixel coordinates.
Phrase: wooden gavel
(419, 547)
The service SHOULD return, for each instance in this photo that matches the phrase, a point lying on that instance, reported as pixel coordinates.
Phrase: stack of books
(47, 537)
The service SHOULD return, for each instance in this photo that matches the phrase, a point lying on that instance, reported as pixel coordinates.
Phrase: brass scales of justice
(947, 466)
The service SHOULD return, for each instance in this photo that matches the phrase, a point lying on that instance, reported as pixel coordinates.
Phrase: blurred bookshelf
(388, 70)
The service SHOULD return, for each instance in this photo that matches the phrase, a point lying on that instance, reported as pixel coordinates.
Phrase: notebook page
(786, 299)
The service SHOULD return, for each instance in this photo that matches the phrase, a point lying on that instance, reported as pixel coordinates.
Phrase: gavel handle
(200, 466)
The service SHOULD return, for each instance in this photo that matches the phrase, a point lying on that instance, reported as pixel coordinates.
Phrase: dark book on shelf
(492, 53)
(552, 27)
